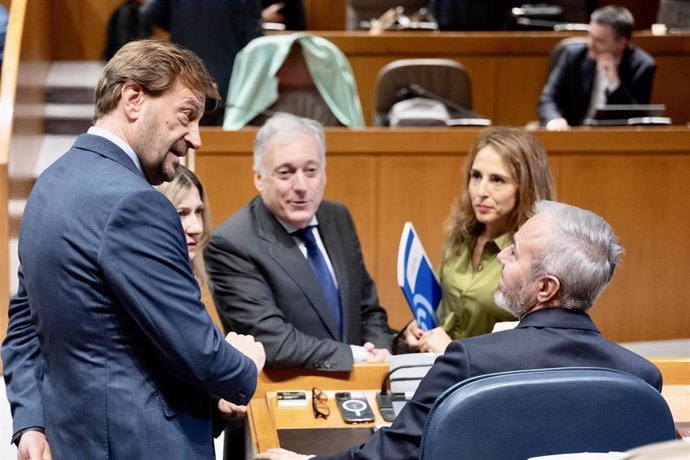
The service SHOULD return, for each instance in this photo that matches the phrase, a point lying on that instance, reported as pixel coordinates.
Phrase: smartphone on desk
(354, 407)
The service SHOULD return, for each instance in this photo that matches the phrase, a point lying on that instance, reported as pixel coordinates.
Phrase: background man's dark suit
(216, 30)
(263, 285)
(546, 338)
(109, 347)
(568, 91)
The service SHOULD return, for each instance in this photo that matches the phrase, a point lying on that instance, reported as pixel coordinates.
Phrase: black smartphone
(354, 407)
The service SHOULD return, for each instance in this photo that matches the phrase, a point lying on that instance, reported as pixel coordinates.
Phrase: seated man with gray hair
(561, 261)
(288, 266)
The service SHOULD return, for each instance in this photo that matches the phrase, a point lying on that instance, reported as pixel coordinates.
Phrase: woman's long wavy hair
(528, 164)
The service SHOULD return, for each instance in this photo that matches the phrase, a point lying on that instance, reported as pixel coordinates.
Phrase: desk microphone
(419, 90)
(384, 399)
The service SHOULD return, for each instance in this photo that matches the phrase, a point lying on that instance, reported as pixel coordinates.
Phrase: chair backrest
(559, 48)
(443, 77)
(522, 414)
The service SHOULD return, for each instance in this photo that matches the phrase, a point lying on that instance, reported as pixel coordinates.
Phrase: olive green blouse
(467, 307)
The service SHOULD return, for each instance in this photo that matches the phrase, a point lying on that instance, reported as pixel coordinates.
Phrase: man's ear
(258, 183)
(549, 287)
(133, 97)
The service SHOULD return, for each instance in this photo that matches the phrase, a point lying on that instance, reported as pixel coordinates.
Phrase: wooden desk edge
(675, 371)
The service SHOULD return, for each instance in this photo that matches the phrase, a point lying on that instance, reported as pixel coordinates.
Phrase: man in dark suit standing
(607, 70)
(288, 268)
(559, 264)
(109, 351)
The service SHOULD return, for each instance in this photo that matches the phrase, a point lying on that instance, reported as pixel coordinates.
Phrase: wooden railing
(25, 64)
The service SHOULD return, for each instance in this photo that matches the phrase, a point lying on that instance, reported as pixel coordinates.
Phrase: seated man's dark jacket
(264, 286)
(543, 339)
(568, 91)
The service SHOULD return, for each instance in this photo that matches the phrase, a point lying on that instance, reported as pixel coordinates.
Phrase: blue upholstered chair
(522, 414)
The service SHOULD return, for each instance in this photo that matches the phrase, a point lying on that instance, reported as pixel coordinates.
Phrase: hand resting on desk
(376, 354)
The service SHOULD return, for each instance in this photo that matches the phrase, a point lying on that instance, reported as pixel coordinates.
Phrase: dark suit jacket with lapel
(568, 91)
(263, 285)
(543, 339)
(109, 347)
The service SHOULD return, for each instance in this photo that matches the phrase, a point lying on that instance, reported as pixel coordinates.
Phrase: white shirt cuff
(359, 354)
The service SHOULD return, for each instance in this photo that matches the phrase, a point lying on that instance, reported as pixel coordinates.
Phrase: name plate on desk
(322, 441)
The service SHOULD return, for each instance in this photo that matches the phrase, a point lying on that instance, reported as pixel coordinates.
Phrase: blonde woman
(187, 195)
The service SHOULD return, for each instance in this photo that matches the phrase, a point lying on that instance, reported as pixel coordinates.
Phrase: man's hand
(33, 445)
(248, 347)
(435, 341)
(607, 64)
(557, 124)
(272, 13)
(280, 454)
(230, 411)
(412, 334)
(376, 354)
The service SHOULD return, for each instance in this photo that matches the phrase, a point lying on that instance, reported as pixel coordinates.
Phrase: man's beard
(515, 300)
(151, 157)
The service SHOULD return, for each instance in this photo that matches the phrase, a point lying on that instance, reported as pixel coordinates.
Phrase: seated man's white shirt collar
(96, 131)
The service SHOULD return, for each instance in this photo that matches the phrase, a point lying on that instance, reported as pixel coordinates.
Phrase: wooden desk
(507, 69)
(265, 418)
(634, 178)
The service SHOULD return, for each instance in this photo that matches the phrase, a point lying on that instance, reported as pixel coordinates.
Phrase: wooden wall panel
(648, 217)
(79, 28)
(632, 177)
(325, 15)
(670, 83)
(520, 81)
(406, 195)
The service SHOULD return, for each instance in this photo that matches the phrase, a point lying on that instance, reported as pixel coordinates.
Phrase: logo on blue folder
(417, 279)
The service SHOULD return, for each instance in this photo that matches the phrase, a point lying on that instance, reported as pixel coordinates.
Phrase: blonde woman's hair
(175, 191)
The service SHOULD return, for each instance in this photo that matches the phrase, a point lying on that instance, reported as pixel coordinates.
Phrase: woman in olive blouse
(506, 171)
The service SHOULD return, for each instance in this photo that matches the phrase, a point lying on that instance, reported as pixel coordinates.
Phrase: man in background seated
(288, 267)
(560, 262)
(607, 70)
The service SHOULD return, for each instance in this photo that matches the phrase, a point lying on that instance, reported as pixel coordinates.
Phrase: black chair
(522, 414)
(442, 79)
(559, 48)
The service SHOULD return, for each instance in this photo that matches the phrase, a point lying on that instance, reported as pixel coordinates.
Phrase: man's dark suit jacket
(568, 91)
(216, 30)
(543, 339)
(108, 345)
(263, 285)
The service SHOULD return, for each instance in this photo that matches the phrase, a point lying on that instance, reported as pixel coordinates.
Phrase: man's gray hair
(619, 18)
(286, 123)
(582, 252)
